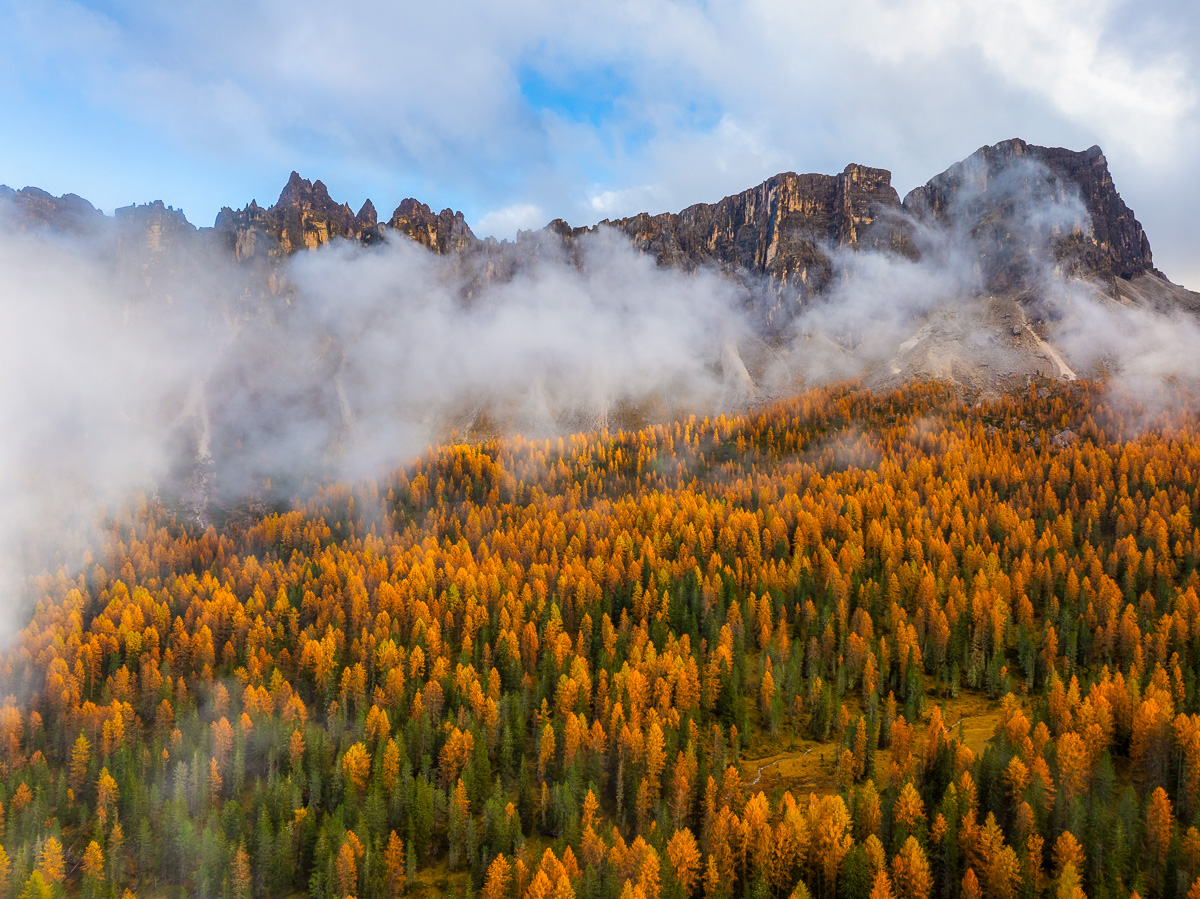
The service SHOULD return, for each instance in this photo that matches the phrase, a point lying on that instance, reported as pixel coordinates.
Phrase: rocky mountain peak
(304, 194)
(986, 192)
(304, 217)
(865, 195)
(367, 216)
(996, 231)
(446, 232)
(155, 212)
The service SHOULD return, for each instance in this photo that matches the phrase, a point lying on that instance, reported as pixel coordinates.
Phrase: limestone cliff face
(781, 229)
(153, 227)
(157, 251)
(996, 185)
(250, 233)
(780, 232)
(307, 217)
(367, 217)
(366, 224)
(157, 254)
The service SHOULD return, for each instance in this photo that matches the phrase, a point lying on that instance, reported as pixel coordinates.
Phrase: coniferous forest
(849, 645)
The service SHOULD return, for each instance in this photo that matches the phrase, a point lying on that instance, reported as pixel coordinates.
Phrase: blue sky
(521, 112)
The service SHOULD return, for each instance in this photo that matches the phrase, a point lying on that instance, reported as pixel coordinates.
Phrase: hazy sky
(523, 111)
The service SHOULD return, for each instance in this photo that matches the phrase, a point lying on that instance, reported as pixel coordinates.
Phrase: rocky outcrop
(31, 208)
(778, 236)
(307, 217)
(250, 233)
(778, 233)
(303, 218)
(366, 224)
(367, 217)
(1015, 198)
(446, 232)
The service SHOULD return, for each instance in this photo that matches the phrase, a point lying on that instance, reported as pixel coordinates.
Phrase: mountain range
(782, 228)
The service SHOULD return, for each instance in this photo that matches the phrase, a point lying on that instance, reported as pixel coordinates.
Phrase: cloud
(86, 413)
(505, 223)
(608, 204)
(1056, 49)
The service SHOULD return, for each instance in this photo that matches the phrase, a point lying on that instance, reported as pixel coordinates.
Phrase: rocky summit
(994, 184)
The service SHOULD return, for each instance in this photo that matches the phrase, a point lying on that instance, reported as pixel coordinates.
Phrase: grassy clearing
(436, 880)
(805, 766)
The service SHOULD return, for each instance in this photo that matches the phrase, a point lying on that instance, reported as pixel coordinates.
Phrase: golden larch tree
(910, 871)
(684, 855)
(393, 867)
(50, 860)
(881, 888)
(239, 873)
(499, 875)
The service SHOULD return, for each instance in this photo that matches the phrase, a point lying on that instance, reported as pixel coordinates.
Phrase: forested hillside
(723, 658)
